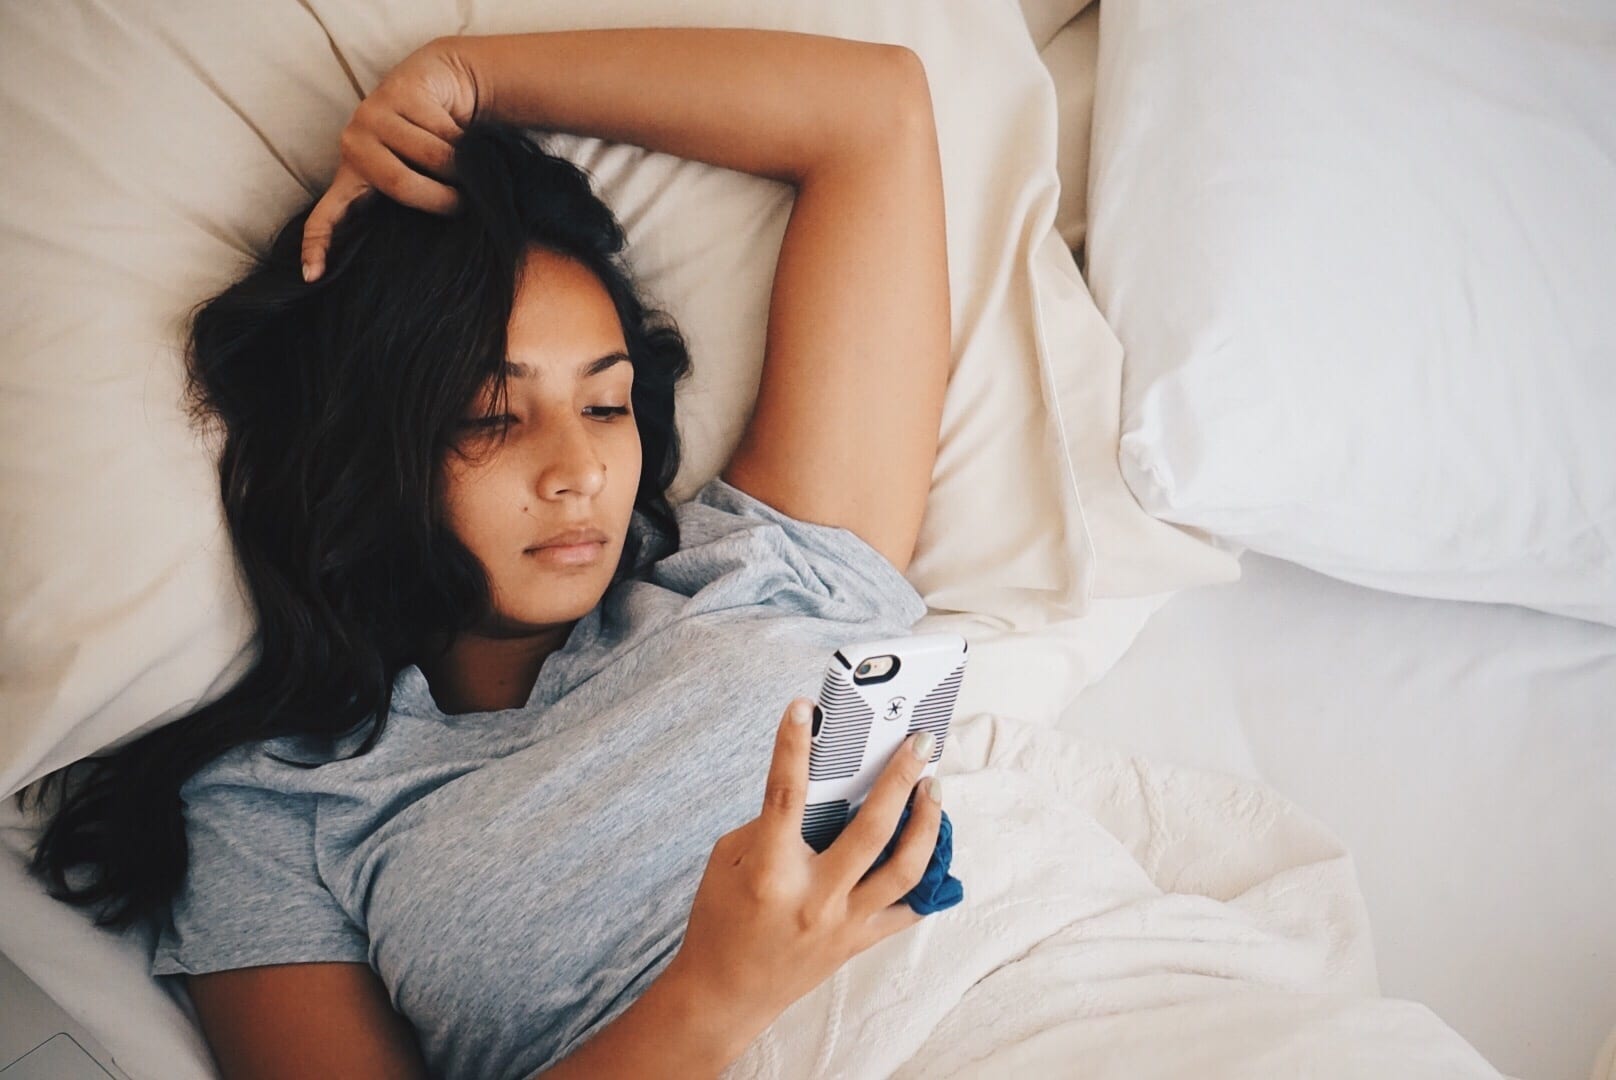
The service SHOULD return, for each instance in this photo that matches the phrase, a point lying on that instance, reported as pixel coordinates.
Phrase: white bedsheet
(1464, 753)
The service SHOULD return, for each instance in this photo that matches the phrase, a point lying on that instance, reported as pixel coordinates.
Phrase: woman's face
(570, 461)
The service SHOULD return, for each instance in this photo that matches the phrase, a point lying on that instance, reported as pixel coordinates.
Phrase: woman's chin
(565, 596)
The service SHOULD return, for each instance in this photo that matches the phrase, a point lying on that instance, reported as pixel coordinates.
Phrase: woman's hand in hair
(772, 918)
(398, 140)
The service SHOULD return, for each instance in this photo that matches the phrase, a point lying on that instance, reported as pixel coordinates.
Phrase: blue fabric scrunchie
(937, 888)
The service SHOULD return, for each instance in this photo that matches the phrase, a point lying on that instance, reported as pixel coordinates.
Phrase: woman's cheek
(628, 452)
(481, 509)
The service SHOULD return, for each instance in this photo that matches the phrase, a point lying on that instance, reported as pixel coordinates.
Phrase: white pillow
(151, 151)
(1362, 258)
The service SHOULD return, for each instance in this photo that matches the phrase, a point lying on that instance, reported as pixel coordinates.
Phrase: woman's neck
(485, 674)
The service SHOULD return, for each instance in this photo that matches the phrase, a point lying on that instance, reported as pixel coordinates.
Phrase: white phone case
(858, 726)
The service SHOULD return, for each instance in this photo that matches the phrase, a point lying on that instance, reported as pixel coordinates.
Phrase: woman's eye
(478, 425)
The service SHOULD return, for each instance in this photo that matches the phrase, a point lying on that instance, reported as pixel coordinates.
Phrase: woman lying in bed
(459, 814)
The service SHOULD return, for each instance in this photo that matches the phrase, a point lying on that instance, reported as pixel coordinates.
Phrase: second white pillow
(1361, 259)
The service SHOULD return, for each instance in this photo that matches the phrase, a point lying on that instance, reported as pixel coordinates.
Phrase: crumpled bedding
(1123, 919)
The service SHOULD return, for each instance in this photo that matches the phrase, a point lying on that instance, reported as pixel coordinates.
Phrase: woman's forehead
(562, 318)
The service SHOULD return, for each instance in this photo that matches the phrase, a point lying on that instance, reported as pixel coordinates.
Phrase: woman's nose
(571, 466)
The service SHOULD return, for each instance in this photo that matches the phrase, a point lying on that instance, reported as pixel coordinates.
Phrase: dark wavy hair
(338, 402)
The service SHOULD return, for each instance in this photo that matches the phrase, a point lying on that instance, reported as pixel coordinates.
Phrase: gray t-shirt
(518, 877)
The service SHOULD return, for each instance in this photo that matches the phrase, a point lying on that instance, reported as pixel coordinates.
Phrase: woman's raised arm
(770, 102)
(858, 345)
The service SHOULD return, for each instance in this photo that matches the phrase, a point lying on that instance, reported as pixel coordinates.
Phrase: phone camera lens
(863, 669)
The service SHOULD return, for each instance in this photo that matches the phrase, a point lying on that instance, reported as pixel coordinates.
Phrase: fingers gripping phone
(875, 695)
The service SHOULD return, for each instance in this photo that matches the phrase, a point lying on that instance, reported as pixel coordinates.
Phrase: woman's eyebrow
(515, 369)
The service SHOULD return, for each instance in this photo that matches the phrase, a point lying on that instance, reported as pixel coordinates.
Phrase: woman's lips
(570, 554)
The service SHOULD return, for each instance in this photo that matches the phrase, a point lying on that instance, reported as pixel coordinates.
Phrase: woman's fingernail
(923, 744)
(934, 788)
(801, 712)
(311, 270)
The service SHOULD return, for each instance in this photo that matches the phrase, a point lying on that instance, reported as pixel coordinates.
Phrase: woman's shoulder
(718, 503)
(719, 508)
(738, 550)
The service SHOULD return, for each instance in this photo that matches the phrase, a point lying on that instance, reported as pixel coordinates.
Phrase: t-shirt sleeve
(252, 894)
(737, 551)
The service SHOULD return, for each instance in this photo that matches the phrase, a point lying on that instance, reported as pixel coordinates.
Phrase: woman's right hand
(401, 141)
(772, 918)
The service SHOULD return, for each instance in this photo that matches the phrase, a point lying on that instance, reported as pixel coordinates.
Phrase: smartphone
(875, 695)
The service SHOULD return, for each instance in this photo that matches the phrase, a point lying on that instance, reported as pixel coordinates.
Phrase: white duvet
(1121, 919)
